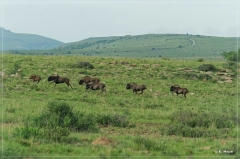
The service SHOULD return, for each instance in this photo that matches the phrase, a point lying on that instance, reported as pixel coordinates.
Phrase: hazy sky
(70, 21)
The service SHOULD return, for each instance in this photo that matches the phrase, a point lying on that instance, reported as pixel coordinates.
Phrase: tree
(232, 56)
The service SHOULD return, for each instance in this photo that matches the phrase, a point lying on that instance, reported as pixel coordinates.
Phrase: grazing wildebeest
(57, 79)
(87, 79)
(96, 86)
(135, 87)
(35, 78)
(179, 90)
(175, 86)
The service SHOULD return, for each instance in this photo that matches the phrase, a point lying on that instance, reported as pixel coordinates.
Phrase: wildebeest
(179, 90)
(88, 79)
(175, 86)
(35, 78)
(57, 79)
(96, 86)
(135, 87)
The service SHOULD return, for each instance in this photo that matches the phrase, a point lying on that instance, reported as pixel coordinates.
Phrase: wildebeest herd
(95, 84)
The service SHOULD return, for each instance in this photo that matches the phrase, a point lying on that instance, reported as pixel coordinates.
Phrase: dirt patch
(102, 141)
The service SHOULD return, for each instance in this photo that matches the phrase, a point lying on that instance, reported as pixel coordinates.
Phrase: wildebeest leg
(134, 91)
(52, 82)
(184, 95)
(103, 90)
(69, 85)
(88, 90)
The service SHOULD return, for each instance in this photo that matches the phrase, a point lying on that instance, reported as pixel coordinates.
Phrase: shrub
(82, 65)
(61, 114)
(232, 55)
(207, 67)
(200, 60)
(204, 76)
(230, 65)
(112, 119)
(85, 122)
(85, 65)
(188, 123)
(26, 132)
(56, 122)
(203, 119)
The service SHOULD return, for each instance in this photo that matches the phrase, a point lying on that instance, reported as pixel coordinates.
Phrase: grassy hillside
(21, 41)
(153, 45)
(149, 45)
(118, 123)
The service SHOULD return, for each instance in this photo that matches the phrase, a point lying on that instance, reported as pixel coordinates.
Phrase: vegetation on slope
(149, 45)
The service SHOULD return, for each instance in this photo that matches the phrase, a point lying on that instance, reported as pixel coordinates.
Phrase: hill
(152, 45)
(22, 41)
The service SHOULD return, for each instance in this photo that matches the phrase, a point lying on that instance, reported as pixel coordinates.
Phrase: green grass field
(118, 123)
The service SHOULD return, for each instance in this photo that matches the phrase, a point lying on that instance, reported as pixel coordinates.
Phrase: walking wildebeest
(88, 79)
(179, 90)
(135, 87)
(57, 79)
(96, 86)
(35, 78)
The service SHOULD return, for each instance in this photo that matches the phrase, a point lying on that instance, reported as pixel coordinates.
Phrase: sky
(71, 21)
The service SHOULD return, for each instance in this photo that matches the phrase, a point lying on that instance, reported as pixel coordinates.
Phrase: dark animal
(175, 86)
(57, 79)
(87, 79)
(179, 90)
(96, 86)
(135, 87)
(35, 78)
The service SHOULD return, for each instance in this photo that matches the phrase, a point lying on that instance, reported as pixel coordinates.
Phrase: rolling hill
(152, 45)
(148, 45)
(22, 41)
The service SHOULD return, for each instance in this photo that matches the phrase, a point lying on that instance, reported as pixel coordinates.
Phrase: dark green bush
(189, 123)
(200, 60)
(85, 65)
(56, 114)
(207, 67)
(85, 122)
(26, 132)
(112, 119)
(203, 119)
(204, 76)
(82, 65)
(56, 122)
(232, 55)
